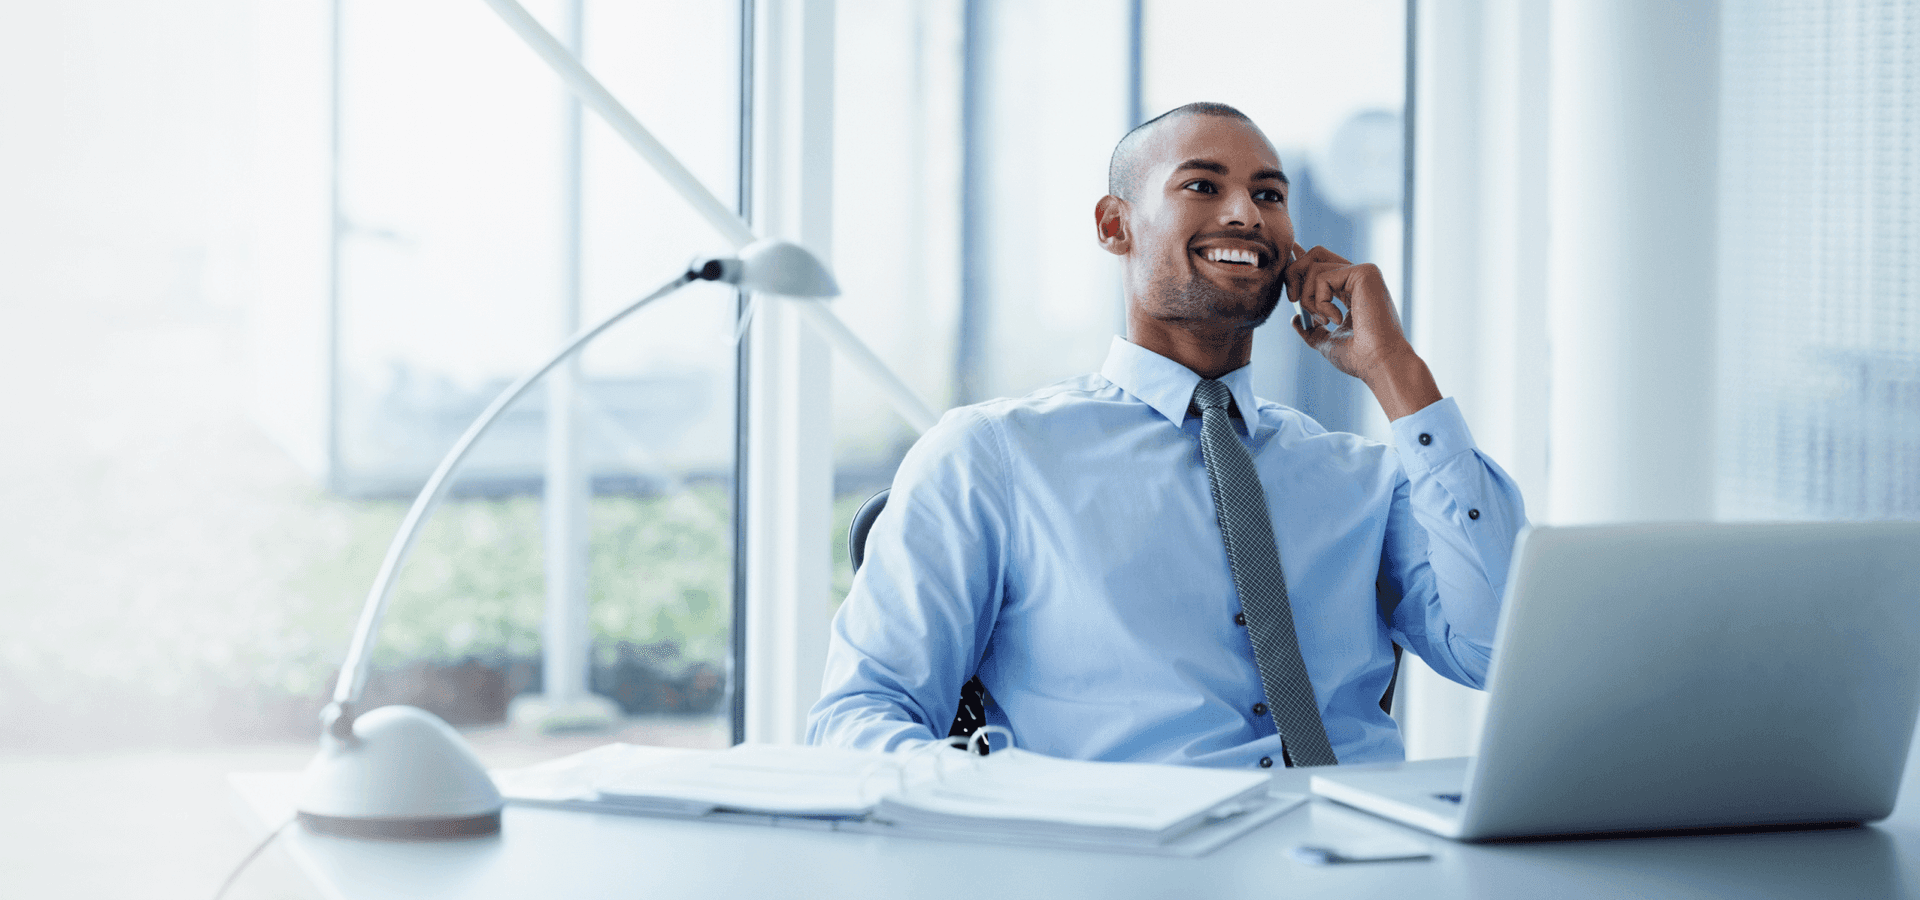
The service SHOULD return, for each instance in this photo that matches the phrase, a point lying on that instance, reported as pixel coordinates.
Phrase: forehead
(1238, 145)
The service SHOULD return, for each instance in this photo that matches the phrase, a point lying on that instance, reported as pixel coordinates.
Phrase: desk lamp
(401, 773)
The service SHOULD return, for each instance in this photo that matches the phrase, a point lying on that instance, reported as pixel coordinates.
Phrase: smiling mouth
(1231, 257)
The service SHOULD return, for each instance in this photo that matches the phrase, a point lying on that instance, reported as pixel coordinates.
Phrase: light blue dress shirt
(1063, 546)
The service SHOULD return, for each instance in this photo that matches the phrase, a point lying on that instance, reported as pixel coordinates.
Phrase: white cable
(250, 857)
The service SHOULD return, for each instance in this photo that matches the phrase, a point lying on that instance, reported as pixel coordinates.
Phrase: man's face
(1209, 224)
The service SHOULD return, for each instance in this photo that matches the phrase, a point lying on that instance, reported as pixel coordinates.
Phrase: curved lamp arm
(339, 715)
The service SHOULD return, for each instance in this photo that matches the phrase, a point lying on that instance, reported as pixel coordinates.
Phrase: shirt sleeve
(1449, 542)
(922, 606)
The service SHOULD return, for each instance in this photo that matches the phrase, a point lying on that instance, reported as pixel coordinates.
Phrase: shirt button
(1426, 439)
(1239, 618)
(1473, 514)
(1266, 762)
(1259, 709)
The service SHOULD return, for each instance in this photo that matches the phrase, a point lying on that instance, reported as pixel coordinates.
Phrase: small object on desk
(1386, 851)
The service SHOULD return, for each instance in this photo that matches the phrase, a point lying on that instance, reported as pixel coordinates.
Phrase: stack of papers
(1017, 795)
(817, 782)
(1011, 796)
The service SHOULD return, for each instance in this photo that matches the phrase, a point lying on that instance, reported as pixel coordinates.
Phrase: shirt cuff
(1427, 439)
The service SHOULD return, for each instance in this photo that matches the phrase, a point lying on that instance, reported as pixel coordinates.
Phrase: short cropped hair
(1126, 168)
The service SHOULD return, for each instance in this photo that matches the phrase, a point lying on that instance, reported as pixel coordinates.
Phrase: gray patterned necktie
(1241, 506)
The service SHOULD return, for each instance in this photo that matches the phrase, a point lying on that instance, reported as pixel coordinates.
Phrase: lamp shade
(772, 266)
(785, 268)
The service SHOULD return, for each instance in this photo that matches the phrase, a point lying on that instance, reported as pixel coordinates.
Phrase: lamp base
(405, 829)
(401, 774)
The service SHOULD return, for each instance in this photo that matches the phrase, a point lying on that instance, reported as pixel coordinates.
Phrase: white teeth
(1223, 254)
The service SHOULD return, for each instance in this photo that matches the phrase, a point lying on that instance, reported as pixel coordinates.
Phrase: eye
(1270, 195)
(1202, 186)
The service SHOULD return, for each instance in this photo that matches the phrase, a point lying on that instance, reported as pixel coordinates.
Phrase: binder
(1010, 797)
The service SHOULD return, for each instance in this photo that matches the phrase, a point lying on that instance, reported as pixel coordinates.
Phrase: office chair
(972, 711)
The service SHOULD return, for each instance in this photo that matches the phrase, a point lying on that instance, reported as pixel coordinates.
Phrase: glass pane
(1820, 404)
(962, 225)
(455, 271)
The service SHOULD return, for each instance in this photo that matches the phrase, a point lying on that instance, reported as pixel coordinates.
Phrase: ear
(1110, 219)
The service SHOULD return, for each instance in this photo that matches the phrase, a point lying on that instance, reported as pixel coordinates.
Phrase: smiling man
(1149, 563)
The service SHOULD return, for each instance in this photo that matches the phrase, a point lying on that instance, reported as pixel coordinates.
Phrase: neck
(1210, 350)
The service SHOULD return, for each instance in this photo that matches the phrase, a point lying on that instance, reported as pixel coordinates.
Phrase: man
(1071, 546)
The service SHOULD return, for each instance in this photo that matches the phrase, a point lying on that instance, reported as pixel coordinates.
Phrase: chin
(1198, 300)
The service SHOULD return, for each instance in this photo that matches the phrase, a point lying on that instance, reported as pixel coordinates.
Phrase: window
(1820, 378)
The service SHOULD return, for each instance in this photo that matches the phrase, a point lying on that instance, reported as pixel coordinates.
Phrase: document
(1021, 794)
(1011, 796)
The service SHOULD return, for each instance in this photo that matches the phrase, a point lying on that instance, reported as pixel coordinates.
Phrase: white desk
(554, 854)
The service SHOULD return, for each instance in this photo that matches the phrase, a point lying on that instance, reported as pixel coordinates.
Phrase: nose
(1239, 209)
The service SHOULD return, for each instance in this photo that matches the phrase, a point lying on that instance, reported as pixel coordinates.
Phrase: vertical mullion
(1409, 109)
(1136, 64)
(970, 351)
(742, 359)
(336, 484)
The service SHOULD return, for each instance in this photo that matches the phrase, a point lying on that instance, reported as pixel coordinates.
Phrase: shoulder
(980, 431)
(991, 436)
(965, 424)
(1297, 433)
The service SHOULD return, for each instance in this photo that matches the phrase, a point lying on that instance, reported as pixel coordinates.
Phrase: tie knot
(1211, 394)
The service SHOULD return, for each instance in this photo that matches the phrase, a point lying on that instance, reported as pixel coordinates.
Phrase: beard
(1196, 298)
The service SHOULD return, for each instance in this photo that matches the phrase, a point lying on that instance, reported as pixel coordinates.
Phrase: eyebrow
(1207, 165)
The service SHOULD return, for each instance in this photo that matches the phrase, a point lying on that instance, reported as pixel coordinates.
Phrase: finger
(1317, 294)
(1317, 338)
(1306, 261)
(1311, 338)
(1323, 340)
(1365, 292)
(1301, 270)
(1294, 275)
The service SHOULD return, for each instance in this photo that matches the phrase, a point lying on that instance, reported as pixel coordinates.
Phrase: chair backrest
(863, 523)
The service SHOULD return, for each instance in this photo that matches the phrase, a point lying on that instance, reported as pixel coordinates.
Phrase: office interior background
(262, 262)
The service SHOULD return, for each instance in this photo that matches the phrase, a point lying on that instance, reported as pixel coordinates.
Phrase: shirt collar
(1167, 386)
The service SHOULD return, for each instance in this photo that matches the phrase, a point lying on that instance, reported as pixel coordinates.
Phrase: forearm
(1402, 384)
(865, 721)
(1450, 542)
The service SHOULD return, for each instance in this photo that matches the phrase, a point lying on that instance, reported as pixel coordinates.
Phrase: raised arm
(1450, 533)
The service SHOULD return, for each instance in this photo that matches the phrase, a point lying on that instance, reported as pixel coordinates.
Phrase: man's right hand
(1367, 341)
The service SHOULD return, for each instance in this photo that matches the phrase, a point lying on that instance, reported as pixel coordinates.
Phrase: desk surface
(554, 853)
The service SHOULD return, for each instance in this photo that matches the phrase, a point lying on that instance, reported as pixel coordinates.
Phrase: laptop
(1670, 677)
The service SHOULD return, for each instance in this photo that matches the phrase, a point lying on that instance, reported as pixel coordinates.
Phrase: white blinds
(1820, 260)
